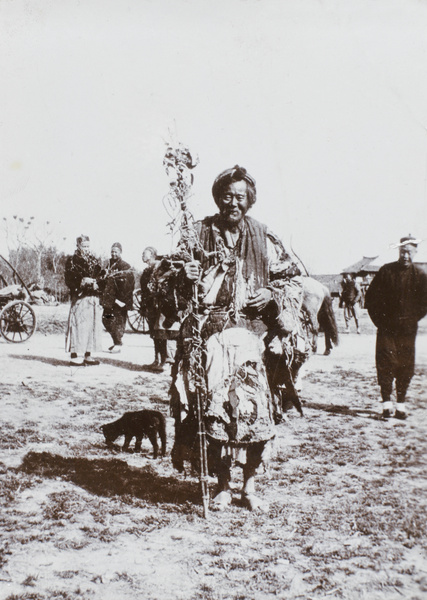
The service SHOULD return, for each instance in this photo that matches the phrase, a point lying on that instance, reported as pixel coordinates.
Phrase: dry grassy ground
(347, 491)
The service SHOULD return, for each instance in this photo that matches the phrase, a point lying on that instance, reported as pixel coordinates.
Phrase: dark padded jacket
(119, 284)
(397, 298)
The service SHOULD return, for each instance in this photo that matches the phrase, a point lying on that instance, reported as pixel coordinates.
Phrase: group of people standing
(242, 293)
(98, 296)
(103, 296)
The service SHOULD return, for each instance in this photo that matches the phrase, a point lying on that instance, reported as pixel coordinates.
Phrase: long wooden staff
(178, 161)
(200, 402)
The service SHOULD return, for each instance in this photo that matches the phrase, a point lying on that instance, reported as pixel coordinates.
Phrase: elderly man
(245, 281)
(396, 300)
(118, 296)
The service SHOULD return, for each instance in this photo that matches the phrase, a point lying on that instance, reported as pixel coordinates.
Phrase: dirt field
(347, 491)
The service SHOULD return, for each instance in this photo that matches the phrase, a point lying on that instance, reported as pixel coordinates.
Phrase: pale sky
(324, 102)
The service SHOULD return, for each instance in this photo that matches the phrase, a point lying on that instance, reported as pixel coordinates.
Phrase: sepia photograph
(213, 300)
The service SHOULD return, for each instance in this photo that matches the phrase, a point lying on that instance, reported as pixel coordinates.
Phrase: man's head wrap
(230, 176)
(117, 245)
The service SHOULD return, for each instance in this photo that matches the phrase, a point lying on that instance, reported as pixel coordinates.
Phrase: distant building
(371, 265)
(363, 271)
(362, 267)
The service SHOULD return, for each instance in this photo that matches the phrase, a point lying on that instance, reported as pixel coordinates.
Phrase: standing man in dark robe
(118, 296)
(396, 300)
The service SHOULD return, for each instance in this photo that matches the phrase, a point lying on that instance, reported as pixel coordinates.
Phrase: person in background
(150, 307)
(396, 300)
(117, 297)
(365, 283)
(83, 275)
(349, 298)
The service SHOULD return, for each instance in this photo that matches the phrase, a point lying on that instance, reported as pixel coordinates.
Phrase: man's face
(115, 253)
(84, 247)
(147, 257)
(406, 254)
(234, 204)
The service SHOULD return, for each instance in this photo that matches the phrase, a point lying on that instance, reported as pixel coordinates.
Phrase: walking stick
(201, 432)
(178, 161)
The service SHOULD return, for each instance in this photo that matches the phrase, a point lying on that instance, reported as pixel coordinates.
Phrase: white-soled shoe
(115, 349)
(77, 361)
(388, 410)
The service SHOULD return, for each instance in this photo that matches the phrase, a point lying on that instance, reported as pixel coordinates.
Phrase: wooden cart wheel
(17, 321)
(136, 321)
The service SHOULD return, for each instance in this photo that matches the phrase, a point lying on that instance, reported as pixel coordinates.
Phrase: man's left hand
(260, 299)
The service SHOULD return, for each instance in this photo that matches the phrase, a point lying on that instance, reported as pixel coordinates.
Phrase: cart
(17, 317)
(137, 322)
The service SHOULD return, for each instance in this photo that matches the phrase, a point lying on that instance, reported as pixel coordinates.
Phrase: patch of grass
(66, 574)
(11, 484)
(26, 596)
(345, 493)
(30, 580)
(124, 577)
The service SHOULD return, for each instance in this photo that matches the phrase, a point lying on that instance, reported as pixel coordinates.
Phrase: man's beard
(232, 217)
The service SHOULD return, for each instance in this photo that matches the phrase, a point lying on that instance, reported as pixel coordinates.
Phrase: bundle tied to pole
(178, 163)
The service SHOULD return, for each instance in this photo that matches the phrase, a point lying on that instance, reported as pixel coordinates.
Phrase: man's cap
(117, 245)
(407, 239)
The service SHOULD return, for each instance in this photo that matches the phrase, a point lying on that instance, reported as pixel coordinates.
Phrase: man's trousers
(395, 359)
(115, 323)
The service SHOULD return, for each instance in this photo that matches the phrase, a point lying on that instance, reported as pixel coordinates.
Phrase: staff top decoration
(178, 163)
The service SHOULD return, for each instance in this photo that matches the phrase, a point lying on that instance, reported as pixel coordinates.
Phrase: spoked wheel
(136, 321)
(17, 321)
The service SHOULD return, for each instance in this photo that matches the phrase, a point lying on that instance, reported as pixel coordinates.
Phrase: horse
(317, 302)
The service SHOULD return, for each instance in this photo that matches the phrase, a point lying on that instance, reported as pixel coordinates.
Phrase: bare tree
(28, 240)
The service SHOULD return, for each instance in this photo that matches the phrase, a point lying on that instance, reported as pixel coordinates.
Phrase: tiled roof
(361, 265)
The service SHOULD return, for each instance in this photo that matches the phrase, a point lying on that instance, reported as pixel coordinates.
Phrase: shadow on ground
(121, 364)
(112, 477)
(341, 410)
(49, 360)
(131, 366)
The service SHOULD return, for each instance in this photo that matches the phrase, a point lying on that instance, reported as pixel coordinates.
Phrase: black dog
(138, 424)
